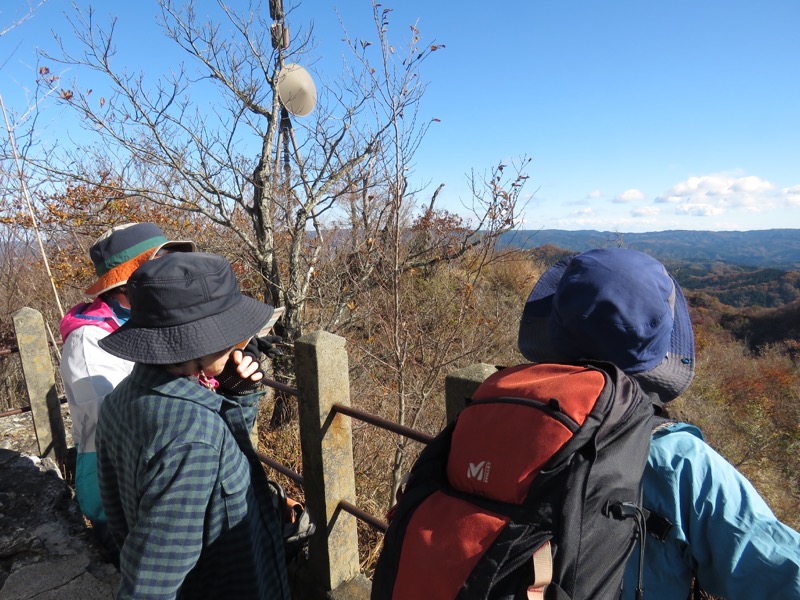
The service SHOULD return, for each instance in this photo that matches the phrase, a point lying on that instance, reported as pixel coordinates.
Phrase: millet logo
(479, 471)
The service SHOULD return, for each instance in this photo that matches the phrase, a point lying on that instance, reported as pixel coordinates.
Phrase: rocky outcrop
(46, 550)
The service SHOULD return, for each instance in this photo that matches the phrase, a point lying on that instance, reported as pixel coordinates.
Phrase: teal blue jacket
(722, 530)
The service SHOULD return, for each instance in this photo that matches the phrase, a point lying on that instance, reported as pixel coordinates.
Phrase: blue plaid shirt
(185, 496)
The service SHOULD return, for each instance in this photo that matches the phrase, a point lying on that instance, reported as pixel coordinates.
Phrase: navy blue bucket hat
(616, 305)
(185, 306)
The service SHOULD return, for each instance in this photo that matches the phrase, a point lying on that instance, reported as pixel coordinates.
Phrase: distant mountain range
(770, 248)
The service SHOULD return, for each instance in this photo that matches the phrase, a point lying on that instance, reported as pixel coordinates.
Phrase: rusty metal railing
(353, 413)
(24, 409)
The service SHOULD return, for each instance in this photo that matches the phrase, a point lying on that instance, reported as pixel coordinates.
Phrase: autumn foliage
(747, 402)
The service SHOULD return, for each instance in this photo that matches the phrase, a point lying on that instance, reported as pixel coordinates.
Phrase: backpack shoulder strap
(542, 571)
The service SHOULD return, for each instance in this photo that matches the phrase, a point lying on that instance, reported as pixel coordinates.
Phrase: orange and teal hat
(124, 248)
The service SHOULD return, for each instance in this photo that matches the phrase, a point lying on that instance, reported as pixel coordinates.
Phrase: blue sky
(637, 115)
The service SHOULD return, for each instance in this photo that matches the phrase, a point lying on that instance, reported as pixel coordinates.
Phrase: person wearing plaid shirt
(184, 493)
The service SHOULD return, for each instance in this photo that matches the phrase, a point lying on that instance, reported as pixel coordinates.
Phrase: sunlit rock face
(46, 549)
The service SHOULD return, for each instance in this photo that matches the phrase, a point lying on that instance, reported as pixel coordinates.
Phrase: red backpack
(533, 492)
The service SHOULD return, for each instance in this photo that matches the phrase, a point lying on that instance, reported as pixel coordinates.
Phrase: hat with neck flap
(616, 305)
(123, 248)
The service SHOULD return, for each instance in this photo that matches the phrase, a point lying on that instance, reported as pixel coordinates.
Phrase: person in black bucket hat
(184, 493)
(622, 306)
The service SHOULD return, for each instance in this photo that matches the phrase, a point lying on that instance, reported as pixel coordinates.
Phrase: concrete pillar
(459, 386)
(327, 445)
(40, 383)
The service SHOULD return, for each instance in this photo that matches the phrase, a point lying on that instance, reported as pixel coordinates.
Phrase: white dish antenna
(296, 90)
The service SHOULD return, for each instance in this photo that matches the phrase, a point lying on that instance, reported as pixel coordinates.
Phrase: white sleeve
(89, 373)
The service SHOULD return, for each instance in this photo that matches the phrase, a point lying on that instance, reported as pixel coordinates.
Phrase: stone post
(323, 380)
(459, 386)
(40, 383)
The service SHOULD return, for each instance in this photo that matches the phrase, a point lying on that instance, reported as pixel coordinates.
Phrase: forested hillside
(734, 285)
(731, 284)
(779, 248)
(761, 328)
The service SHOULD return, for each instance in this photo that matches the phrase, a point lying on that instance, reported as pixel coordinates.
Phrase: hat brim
(179, 343)
(668, 379)
(119, 275)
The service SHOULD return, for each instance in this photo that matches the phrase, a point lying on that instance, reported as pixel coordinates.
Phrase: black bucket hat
(184, 306)
(616, 305)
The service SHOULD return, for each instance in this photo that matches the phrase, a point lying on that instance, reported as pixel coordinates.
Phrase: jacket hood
(97, 314)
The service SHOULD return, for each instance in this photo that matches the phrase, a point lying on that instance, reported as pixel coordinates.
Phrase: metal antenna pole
(286, 133)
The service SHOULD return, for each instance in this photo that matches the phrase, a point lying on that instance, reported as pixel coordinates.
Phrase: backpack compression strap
(542, 571)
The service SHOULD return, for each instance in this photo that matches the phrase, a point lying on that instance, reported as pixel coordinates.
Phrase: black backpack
(533, 492)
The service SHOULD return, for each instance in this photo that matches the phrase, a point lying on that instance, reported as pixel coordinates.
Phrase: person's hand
(242, 374)
(247, 365)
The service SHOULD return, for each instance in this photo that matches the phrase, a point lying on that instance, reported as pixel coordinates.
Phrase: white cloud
(699, 210)
(646, 211)
(632, 195)
(713, 195)
(792, 195)
(751, 185)
(719, 201)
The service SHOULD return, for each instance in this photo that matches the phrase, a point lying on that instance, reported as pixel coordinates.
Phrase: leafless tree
(394, 251)
(334, 184)
(29, 11)
(15, 184)
(167, 150)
